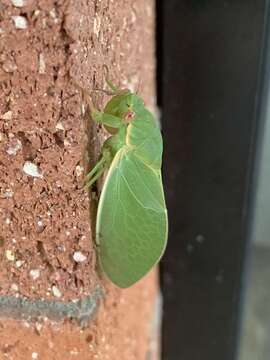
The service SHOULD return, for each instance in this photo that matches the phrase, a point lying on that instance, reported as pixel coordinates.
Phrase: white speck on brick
(38, 326)
(18, 3)
(7, 115)
(13, 149)
(8, 221)
(79, 170)
(20, 22)
(1, 31)
(10, 255)
(59, 126)
(32, 169)
(58, 183)
(40, 223)
(14, 287)
(8, 194)
(53, 13)
(26, 324)
(66, 143)
(79, 257)
(35, 274)
(74, 352)
(19, 263)
(42, 65)
(9, 66)
(61, 248)
(56, 292)
(34, 355)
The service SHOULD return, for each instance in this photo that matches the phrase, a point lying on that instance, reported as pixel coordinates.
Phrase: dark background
(210, 58)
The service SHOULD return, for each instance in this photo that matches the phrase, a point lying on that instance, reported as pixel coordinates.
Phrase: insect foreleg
(101, 117)
(107, 119)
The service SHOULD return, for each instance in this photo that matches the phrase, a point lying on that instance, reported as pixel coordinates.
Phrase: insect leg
(101, 117)
(94, 178)
(107, 119)
(99, 168)
(96, 168)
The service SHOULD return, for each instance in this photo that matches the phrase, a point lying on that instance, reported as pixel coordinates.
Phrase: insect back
(131, 224)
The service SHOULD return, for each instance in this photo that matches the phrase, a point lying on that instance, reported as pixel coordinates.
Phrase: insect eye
(129, 116)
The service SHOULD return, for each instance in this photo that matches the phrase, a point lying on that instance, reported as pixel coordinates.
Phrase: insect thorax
(115, 142)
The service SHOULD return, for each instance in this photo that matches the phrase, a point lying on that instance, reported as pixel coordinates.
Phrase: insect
(131, 223)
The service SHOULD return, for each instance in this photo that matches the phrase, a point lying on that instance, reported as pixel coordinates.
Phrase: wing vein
(134, 195)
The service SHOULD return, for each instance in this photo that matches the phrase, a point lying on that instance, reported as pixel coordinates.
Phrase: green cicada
(132, 222)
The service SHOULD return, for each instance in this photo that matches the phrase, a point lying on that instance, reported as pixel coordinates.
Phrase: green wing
(144, 136)
(132, 225)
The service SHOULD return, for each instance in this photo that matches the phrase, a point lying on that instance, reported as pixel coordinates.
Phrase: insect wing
(132, 222)
(144, 135)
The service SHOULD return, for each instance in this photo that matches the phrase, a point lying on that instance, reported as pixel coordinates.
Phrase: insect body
(132, 224)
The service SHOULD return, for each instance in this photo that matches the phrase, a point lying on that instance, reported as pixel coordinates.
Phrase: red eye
(129, 116)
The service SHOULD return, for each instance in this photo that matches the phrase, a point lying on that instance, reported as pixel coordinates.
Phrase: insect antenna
(110, 84)
(139, 85)
(107, 92)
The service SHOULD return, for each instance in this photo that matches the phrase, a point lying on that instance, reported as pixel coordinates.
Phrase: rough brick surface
(47, 144)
